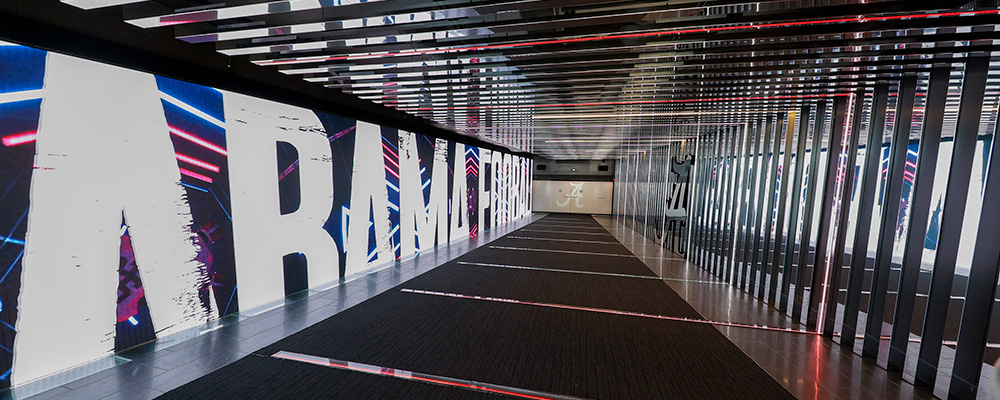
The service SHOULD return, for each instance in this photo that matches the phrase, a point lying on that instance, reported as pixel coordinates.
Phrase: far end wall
(572, 197)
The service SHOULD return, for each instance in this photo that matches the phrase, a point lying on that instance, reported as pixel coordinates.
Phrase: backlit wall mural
(134, 206)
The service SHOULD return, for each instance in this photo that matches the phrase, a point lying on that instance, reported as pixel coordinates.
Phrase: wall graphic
(652, 191)
(134, 206)
(573, 197)
(677, 201)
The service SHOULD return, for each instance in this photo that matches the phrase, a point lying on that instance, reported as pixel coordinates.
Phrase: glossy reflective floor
(809, 366)
(155, 368)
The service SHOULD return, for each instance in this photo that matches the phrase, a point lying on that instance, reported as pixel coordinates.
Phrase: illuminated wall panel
(134, 206)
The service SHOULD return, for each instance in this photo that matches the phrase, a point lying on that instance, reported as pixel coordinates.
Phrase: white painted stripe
(421, 377)
(567, 226)
(567, 221)
(565, 233)
(584, 252)
(562, 240)
(605, 311)
(561, 251)
(589, 273)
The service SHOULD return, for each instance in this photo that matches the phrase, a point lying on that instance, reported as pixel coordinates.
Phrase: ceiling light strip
(751, 26)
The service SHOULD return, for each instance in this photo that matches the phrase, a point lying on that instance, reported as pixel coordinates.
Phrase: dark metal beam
(871, 173)
(828, 194)
(966, 134)
(930, 142)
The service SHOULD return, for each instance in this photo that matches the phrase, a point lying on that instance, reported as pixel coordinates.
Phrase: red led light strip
(195, 175)
(858, 19)
(18, 139)
(199, 141)
(197, 162)
(420, 377)
(607, 311)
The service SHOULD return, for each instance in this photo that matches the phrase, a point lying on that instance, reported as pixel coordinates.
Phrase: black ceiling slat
(616, 29)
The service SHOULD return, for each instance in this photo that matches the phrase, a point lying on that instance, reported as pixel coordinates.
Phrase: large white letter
(459, 196)
(485, 158)
(262, 236)
(501, 190)
(103, 150)
(411, 198)
(368, 195)
(515, 188)
(437, 207)
(416, 219)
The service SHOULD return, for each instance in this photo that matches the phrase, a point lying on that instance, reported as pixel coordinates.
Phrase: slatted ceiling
(508, 64)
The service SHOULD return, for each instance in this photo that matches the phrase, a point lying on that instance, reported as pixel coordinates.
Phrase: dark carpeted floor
(567, 352)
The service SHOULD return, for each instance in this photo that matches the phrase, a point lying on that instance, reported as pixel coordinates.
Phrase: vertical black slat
(720, 165)
(739, 215)
(615, 181)
(796, 193)
(930, 142)
(628, 199)
(761, 192)
(694, 210)
(723, 195)
(890, 213)
(812, 183)
(779, 227)
(694, 193)
(662, 190)
(979, 298)
(688, 201)
(706, 214)
(704, 148)
(636, 210)
(793, 219)
(769, 211)
(836, 265)
(633, 191)
(745, 212)
(871, 173)
(625, 186)
(748, 236)
(706, 198)
(672, 151)
(720, 188)
(828, 194)
(734, 171)
(649, 189)
(966, 133)
(724, 254)
(695, 207)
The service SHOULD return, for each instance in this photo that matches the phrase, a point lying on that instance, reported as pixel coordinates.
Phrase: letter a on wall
(369, 201)
(82, 185)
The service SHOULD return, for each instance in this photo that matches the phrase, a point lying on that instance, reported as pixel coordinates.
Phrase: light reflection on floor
(809, 366)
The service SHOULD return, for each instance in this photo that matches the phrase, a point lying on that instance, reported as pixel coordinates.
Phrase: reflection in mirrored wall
(881, 201)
